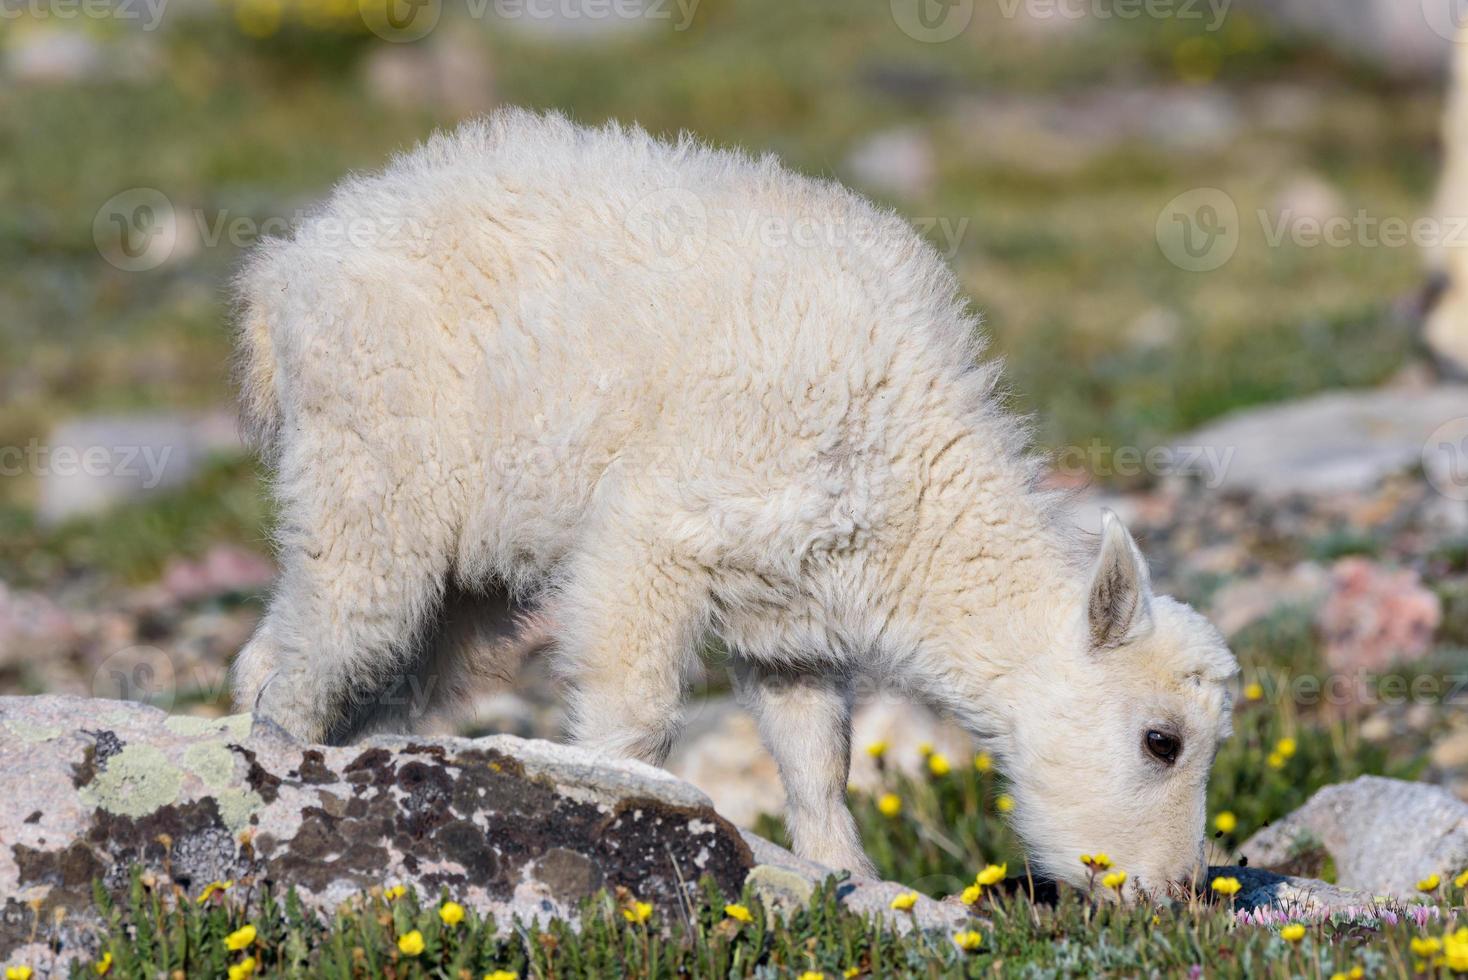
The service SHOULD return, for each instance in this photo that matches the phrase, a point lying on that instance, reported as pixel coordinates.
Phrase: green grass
(134, 542)
(154, 934)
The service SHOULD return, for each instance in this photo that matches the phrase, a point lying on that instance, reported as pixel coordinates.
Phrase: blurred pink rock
(223, 569)
(1375, 616)
(29, 620)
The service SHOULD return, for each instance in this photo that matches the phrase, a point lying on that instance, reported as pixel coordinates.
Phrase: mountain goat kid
(663, 392)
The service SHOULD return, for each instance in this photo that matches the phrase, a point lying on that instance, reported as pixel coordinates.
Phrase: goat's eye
(1163, 746)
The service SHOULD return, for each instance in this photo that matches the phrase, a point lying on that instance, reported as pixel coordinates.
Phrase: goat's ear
(1120, 604)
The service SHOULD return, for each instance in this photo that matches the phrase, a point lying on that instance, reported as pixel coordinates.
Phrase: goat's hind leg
(342, 647)
(628, 622)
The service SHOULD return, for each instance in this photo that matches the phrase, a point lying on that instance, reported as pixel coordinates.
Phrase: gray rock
(64, 54)
(894, 161)
(1247, 600)
(1338, 442)
(512, 827)
(91, 464)
(50, 56)
(1383, 835)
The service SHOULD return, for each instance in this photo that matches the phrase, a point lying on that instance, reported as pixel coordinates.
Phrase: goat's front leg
(805, 721)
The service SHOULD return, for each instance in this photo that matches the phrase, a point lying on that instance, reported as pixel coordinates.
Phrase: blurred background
(1205, 236)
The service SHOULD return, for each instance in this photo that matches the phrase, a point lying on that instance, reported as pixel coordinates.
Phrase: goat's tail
(255, 364)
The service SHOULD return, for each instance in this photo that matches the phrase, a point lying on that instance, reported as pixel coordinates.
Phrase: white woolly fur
(661, 392)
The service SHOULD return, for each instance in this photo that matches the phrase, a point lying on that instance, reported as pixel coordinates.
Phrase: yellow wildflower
(1429, 884)
(992, 875)
(1004, 803)
(889, 804)
(972, 894)
(104, 964)
(812, 975)
(17, 973)
(394, 893)
(851, 971)
(739, 913)
(452, 913)
(1226, 822)
(968, 940)
(983, 762)
(1425, 947)
(1253, 691)
(1226, 886)
(1462, 880)
(638, 912)
(243, 970)
(939, 765)
(877, 749)
(905, 901)
(925, 749)
(1275, 761)
(240, 938)
(1455, 950)
(1114, 880)
(1096, 862)
(1285, 747)
(502, 975)
(1292, 933)
(212, 887)
(1356, 973)
(411, 944)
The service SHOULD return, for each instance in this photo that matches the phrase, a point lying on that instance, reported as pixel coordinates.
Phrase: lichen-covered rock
(1381, 835)
(509, 826)
(513, 827)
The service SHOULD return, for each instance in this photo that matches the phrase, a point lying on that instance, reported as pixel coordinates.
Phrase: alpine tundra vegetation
(657, 392)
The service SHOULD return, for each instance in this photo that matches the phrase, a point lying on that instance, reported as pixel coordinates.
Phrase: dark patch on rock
(314, 771)
(189, 841)
(82, 773)
(108, 745)
(265, 783)
(427, 791)
(372, 759)
(635, 849)
(568, 874)
(34, 817)
(68, 870)
(463, 843)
